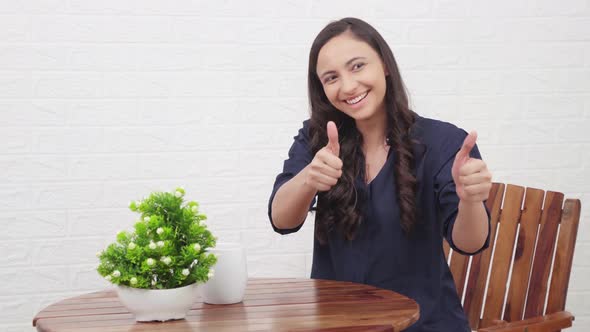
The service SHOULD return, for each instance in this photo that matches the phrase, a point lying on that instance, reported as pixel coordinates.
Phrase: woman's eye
(329, 79)
(358, 66)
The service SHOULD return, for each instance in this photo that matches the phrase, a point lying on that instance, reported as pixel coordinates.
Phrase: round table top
(269, 305)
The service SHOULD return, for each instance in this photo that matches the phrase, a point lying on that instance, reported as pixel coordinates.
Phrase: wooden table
(269, 305)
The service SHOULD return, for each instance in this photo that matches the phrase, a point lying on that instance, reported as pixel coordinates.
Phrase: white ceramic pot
(158, 304)
(228, 283)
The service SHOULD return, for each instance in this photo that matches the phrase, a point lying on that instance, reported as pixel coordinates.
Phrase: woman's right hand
(326, 167)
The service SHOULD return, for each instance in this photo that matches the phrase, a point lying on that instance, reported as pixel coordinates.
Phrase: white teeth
(357, 99)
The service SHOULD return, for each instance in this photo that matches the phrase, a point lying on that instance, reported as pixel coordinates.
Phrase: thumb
(333, 144)
(467, 146)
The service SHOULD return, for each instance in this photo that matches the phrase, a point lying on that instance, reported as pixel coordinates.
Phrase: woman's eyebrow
(346, 64)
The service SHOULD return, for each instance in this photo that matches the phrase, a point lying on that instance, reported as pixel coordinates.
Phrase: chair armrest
(549, 323)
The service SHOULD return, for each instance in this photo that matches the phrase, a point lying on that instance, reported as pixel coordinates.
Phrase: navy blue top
(381, 254)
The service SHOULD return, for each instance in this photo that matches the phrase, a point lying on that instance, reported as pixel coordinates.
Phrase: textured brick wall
(104, 101)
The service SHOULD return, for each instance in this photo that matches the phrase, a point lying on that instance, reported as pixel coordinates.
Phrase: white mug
(230, 276)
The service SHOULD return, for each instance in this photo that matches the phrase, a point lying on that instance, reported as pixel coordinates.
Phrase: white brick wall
(102, 102)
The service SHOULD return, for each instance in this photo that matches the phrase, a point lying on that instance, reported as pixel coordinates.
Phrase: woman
(389, 183)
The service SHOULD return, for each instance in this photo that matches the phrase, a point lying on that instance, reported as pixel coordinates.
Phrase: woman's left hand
(472, 178)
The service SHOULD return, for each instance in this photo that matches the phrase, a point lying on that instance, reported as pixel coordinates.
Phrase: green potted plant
(158, 266)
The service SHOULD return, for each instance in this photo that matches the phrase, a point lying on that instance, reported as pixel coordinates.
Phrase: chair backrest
(532, 241)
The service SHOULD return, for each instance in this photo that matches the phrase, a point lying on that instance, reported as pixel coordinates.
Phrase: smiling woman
(389, 184)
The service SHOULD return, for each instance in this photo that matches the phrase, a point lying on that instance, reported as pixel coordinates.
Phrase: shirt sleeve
(299, 157)
(448, 201)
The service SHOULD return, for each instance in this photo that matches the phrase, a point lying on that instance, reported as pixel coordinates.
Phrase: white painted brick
(99, 221)
(303, 31)
(574, 131)
(444, 108)
(413, 9)
(37, 224)
(103, 167)
(430, 82)
(205, 30)
(286, 111)
(138, 139)
(442, 32)
(256, 242)
(15, 309)
(63, 140)
(75, 28)
(270, 85)
(86, 278)
(15, 28)
(451, 8)
(581, 324)
(15, 253)
(298, 242)
(188, 164)
(107, 7)
(519, 55)
(15, 197)
(578, 279)
(66, 251)
(33, 280)
(486, 108)
(276, 266)
(476, 82)
(16, 140)
(101, 112)
(582, 253)
(119, 194)
(256, 215)
(211, 111)
(541, 29)
(554, 107)
(26, 168)
(535, 131)
(563, 156)
(45, 6)
(328, 11)
(202, 137)
(102, 57)
(261, 163)
(66, 84)
(293, 85)
(225, 217)
(550, 8)
(15, 84)
(256, 189)
(70, 195)
(267, 136)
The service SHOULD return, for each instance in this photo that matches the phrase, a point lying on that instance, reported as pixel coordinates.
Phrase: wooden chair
(541, 227)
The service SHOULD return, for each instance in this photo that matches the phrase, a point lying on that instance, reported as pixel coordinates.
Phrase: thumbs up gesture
(326, 167)
(473, 180)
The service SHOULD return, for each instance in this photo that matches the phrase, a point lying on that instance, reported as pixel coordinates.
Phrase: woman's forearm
(471, 226)
(291, 202)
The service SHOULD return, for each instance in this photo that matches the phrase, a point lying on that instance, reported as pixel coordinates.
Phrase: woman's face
(353, 77)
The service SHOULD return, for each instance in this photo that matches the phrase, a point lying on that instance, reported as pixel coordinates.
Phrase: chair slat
(480, 263)
(523, 256)
(550, 218)
(446, 249)
(503, 254)
(459, 270)
(562, 266)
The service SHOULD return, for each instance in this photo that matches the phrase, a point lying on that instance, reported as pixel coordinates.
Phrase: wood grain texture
(503, 254)
(564, 255)
(269, 305)
(478, 274)
(523, 255)
(550, 218)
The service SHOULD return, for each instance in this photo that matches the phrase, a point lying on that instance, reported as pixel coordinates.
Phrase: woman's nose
(349, 85)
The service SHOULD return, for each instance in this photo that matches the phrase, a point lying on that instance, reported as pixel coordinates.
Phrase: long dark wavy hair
(341, 207)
